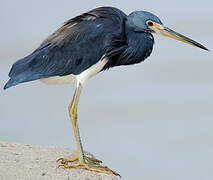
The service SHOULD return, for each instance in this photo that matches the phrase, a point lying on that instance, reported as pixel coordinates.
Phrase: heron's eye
(149, 23)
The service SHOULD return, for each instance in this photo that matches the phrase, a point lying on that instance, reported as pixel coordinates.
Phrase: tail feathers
(18, 72)
(20, 66)
(10, 83)
(22, 71)
(23, 77)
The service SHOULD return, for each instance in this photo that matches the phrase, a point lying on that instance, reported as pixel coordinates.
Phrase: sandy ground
(30, 162)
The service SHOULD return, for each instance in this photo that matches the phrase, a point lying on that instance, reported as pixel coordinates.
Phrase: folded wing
(77, 45)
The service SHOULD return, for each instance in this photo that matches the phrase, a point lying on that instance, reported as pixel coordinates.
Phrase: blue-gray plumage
(82, 41)
(85, 45)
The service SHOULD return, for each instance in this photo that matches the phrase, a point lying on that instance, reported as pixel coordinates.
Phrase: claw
(89, 163)
(92, 167)
(65, 161)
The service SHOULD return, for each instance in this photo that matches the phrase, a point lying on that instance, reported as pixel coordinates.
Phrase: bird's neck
(140, 43)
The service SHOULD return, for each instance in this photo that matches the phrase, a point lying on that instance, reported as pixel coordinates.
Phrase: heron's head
(143, 21)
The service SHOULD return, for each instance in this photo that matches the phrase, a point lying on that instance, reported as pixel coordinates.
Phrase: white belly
(69, 79)
(80, 78)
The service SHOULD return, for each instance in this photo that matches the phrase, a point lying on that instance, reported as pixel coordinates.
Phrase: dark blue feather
(80, 43)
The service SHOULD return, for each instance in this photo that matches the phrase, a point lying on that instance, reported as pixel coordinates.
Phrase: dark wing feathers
(74, 47)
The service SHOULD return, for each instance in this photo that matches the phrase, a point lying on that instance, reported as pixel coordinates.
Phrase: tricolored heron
(85, 45)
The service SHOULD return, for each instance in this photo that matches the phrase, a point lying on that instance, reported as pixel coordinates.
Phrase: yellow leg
(89, 163)
(74, 117)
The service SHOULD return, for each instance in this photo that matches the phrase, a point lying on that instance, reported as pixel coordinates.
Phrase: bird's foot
(88, 159)
(89, 163)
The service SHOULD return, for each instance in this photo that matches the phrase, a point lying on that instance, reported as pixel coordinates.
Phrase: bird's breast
(141, 45)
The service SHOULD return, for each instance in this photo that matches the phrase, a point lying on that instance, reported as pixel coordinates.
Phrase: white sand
(30, 162)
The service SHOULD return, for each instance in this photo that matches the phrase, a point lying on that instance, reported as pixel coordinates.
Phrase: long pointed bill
(159, 29)
(172, 34)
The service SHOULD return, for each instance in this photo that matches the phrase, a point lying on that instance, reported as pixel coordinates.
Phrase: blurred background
(149, 121)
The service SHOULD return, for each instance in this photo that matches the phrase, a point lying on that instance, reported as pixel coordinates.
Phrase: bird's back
(73, 48)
